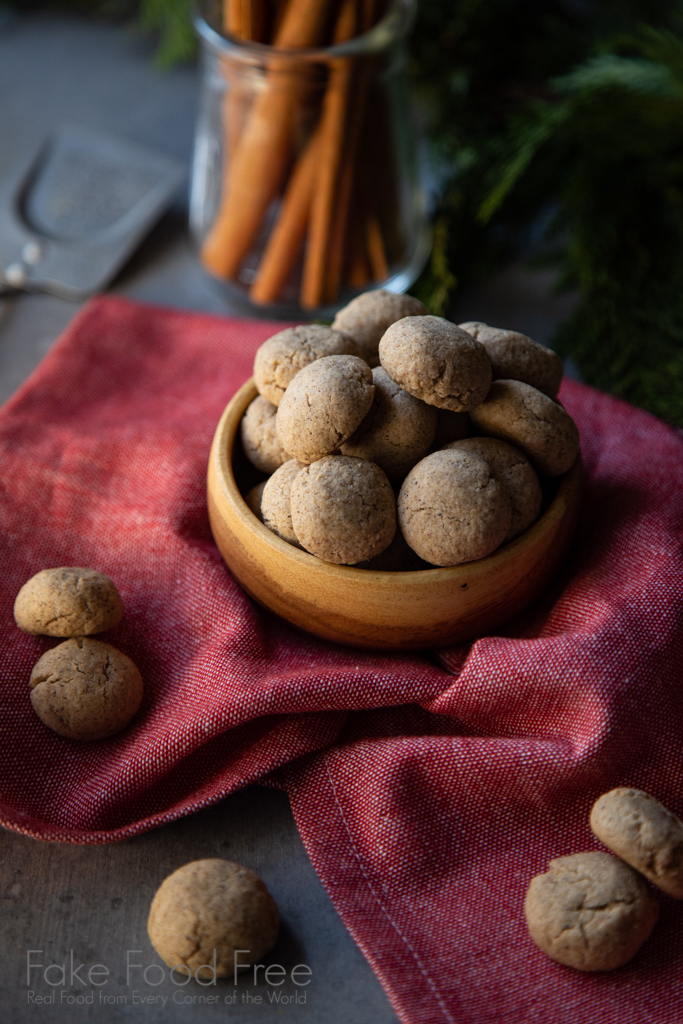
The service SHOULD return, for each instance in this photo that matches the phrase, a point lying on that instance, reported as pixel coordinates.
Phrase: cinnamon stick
(333, 129)
(262, 156)
(286, 239)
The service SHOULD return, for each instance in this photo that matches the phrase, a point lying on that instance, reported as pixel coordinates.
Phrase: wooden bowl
(380, 610)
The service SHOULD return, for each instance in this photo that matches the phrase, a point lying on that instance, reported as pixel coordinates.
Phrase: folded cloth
(428, 788)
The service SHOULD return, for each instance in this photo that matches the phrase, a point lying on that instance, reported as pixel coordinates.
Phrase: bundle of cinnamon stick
(314, 145)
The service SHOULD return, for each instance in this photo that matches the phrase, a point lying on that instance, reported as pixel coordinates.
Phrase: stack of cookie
(398, 440)
(592, 911)
(83, 689)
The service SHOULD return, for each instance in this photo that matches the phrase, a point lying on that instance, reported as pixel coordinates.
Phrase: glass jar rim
(392, 27)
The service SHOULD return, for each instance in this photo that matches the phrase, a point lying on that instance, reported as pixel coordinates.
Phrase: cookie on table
(437, 362)
(644, 833)
(279, 359)
(276, 507)
(323, 406)
(525, 417)
(68, 601)
(514, 356)
(343, 509)
(259, 436)
(590, 911)
(367, 317)
(509, 465)
(451, 509)
(212, 907)
(85, 689)
(397, 431)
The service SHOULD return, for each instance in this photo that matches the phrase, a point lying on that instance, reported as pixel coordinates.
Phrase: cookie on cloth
(68, 601)
(85, 689)
(259, 436)
(590, 911)
(206, 912)
(398, 430)
(525, 417)
(451, 509)
(514, 356)
(509, 465)
(367, 317)
(323, 406)
(437, 362)
(279, 359)
(276, 508)
(343, 509)
(644, 833)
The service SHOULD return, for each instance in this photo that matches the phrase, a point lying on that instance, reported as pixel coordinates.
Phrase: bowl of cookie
(396, 481)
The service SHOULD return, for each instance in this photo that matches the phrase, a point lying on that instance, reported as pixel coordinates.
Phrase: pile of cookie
(83, 689)
(592, 911)
(399, 440)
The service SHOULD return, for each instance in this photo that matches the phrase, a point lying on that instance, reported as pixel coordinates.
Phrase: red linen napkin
(428, 788)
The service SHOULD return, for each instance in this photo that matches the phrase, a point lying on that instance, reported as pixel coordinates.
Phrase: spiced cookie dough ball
(85, 689)
(644, 833)
(367, 317)
(209, 905)
(516, 412)
(259, 436)
(324, 405)
(515, 357)
(512, 468)
(451, 509)
(437, 362)
(590, 911)
(280, 358)
(68, 602)
(397, 432)
(343, 509)
(276, 501)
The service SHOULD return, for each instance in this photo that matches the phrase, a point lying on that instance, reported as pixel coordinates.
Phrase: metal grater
(73, 212)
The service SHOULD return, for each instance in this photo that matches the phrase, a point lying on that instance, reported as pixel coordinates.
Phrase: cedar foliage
(571, 117)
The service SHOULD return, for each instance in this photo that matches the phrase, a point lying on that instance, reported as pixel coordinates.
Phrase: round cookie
(253, 498)
(516, 412)
(280, 358)
(437, 362)
(590, 911)
(397, 432)
(367, 317)
(516, 474)
(644, 833)
(451, 509)
(515, 357)
(85, 689)
(324, 405)
(343, 509)
(259, 436)
(276, 501)
(212, 908)
(68, 602)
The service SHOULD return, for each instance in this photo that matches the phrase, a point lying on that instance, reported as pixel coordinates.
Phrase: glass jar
(305, 183)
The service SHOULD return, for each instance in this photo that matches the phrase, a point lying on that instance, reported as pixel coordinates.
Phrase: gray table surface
(94, 900)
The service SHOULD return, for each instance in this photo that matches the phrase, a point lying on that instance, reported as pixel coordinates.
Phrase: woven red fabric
(428, 788)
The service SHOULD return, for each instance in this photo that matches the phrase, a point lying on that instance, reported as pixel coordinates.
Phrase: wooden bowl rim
(223, 442)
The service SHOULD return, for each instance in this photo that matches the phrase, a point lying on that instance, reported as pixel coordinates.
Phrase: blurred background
(554, 161)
